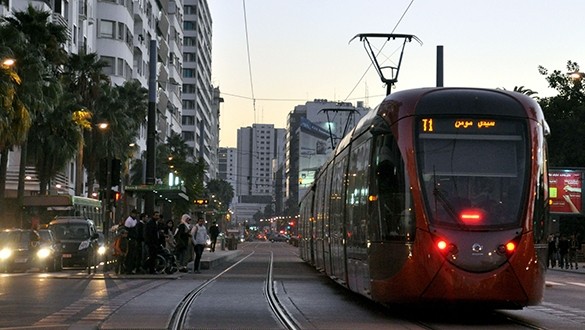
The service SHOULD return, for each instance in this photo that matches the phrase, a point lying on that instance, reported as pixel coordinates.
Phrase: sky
(270, 55)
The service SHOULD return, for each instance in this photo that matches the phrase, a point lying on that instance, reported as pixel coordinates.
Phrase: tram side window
(390, 208)
(357, 196)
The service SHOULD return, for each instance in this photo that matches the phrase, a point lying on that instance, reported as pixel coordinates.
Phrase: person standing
(199, 236)
(213, 233)
(141, 250)
(151, 241)
(132, 256)
(182, 240)
(121, 251)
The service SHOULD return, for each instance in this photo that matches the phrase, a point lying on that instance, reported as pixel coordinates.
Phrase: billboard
(565, 190)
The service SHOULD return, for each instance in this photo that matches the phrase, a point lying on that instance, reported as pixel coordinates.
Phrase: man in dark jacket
(213, 233)
(151, 240)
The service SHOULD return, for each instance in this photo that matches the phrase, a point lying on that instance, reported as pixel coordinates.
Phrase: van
(78, 238)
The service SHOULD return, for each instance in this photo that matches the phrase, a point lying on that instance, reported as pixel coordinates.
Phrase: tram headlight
(101, 250)
(5, 253)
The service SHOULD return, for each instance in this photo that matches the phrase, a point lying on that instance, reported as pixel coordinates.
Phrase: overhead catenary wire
(249, 60)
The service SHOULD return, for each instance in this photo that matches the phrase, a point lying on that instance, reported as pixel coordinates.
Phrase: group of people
(141, 238)
(562, 251)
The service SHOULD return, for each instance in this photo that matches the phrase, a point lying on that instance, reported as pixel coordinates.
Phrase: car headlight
(43, 253)
(5, 253)
(83, 245)
(101, 250)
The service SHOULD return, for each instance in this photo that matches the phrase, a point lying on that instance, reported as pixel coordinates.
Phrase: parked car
(19, 253)
(78, 238)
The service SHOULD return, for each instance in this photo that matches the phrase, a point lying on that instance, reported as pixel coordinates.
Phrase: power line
(291, 99)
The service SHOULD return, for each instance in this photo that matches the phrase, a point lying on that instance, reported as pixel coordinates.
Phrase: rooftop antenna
(394, 70)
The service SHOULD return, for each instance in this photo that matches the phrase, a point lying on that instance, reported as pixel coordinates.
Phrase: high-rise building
(257, 148)
(314, 130)
(200, 100)
(227, 168)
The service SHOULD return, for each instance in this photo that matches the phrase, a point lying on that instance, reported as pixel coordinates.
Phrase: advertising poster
(565, 191)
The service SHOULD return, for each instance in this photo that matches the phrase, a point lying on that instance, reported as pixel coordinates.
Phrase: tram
(437, 196)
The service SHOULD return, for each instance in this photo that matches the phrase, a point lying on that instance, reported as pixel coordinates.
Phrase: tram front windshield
(473, 170)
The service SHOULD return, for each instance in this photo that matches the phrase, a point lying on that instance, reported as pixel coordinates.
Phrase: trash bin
(232, 243)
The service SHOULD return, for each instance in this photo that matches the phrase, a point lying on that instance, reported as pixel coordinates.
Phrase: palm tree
(84, 77)
(124, 109)
(39, 60)
(55, 140)
(14, 115)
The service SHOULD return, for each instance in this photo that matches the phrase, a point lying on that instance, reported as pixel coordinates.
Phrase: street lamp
(8, 62)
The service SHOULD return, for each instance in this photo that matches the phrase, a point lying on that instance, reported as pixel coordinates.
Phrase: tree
(39, 58)
(14, 115)
(565, 114)
(84, 78)
(223, 191)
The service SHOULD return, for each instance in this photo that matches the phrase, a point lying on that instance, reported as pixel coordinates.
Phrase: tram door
(337, 226)
(325, 226)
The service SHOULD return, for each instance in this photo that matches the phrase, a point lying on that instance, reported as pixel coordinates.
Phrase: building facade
(313, 130)
(258, 147)
(201, 101)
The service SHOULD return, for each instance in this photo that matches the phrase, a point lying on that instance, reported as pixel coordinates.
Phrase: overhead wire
(249, 60)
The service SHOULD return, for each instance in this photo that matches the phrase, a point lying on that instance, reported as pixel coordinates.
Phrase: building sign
(565, 191)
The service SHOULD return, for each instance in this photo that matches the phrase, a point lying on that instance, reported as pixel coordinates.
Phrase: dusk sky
(299, 50)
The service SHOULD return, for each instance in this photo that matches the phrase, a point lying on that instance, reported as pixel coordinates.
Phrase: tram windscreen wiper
(446, 205)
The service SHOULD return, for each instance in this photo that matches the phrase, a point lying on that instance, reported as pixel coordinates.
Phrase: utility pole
(151, 130)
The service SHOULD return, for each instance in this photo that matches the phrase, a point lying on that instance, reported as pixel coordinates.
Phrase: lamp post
(103, 126)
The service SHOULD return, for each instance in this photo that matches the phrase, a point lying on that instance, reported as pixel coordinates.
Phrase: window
(111, 63)
(189, 41)
(107, 29)
(188, 73)
(120, 31)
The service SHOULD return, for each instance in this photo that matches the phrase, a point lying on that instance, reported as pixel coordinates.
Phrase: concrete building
(313, 131)
(258, 148)
(200, 100)
(227, 168)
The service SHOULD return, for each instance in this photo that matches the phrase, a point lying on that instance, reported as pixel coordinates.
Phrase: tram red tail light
(445, 247)
(508, 248)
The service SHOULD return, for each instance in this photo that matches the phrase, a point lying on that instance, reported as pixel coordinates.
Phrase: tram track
(182, 312)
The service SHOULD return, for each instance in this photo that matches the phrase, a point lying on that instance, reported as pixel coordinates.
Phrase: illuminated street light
(8, 62)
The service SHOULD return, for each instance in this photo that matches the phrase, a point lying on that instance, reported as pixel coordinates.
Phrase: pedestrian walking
(130, 226)
(199, 236)
(213, 233)
(182, 235)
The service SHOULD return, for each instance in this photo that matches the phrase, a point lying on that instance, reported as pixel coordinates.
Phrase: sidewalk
(580, 270)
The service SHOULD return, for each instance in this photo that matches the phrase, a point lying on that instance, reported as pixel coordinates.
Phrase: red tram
(439, 195)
